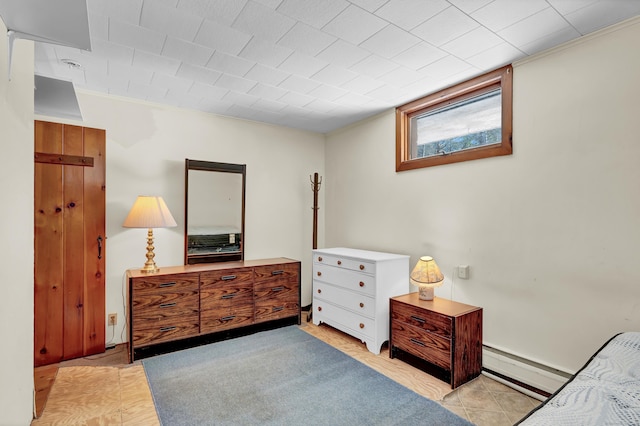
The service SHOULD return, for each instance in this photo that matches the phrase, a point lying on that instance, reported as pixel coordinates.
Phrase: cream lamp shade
(426, 276)
(149, 212)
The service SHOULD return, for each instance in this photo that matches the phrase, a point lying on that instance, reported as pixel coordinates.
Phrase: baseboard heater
(527, 376)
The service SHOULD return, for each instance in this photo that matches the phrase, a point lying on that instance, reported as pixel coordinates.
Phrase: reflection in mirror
(214, 211)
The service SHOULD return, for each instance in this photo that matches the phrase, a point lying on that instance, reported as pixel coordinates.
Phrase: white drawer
(326, 312)
(346, 263)
(356, 302)
(345, 278)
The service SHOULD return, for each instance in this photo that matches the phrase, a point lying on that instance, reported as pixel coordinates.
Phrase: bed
(203, 240)
(606, 391)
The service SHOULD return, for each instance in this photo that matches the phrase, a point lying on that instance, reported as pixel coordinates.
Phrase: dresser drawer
(345, 263)
(267, 310)
(238, 276)
(356, 302)
(224, 296)
(223, 318)
(276, 273)
(330, 313)
(154, 284)
(421, 318)
(159, 305)
(345, 278)
(164, 330)
(425, 345)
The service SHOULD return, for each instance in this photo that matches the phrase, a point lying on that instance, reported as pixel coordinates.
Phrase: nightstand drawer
(421, 318)
(425, 345)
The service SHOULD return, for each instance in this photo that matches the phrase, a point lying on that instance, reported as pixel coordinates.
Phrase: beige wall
(146, 148)
(551, 233)
(16, 233)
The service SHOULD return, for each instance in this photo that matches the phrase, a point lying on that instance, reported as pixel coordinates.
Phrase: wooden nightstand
(441, 336)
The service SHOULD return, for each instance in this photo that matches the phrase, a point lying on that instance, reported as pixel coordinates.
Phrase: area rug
(281, 377)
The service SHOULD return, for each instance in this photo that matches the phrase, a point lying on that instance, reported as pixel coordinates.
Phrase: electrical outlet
(113, 319)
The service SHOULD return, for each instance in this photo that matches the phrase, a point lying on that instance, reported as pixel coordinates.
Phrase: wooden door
(69, 210)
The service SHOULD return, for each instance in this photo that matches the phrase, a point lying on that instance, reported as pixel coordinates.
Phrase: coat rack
(315, 187)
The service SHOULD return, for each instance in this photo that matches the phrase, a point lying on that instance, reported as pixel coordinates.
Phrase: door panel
(69, 216)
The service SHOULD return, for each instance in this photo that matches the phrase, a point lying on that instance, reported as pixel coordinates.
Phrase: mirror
(214, 212)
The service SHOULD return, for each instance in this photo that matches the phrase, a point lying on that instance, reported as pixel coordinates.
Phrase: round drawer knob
(319, 258)
(319, 291)
(361, 305)
(339, 262)
(361, 284)
(319, 273)
(361, 325)
(361, 267)
(319, 308)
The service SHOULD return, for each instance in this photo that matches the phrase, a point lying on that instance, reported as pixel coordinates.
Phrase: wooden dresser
(182, 302)
(440, 332)
(351, 290)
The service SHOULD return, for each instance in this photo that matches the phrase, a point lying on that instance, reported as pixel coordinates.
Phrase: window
(465, 122)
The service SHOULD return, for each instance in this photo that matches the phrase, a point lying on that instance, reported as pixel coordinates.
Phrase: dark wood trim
(518, 383)
(65, 160)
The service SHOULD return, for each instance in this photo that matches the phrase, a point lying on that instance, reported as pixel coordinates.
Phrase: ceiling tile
(343, 53)
(549, 41)
(174, 22)
(156, 63)
(567, 6)
(306, 39)
(112, 51)
(354, 25)
(201, 74)
(407, 14)
(172, 83)
(400, 77)
(229, 64)
(234, 83)
(334, 75)
(299, 84)
(469, 6)
(302, 65)
(495, 57)
(534, 27)
(136, 75)
(262, 22)
(269, 92)
(221, 11)
(374, 66)
(266, 75)
(98, 27)
(444, 67)
(369, 5)
(135, 36)
(143, 91)
(500, 14)
(207, 91)
(390, 41)
(472, 43)
(321, 105)
(97, 80)
(268, 105)
(218, 37)
(445, 26)
(296, 99)
(314, 13)
(601, 14)
(418, 56)
(122, 10)
(265, 53)
(362, 84)
(273, 4)
(188, 52)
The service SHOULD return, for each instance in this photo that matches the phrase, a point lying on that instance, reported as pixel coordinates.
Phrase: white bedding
(605, 392)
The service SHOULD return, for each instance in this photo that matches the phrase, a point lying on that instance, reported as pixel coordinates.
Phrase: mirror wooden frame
(210, 166)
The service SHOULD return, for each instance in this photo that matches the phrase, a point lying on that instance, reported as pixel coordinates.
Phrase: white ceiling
(311, 64)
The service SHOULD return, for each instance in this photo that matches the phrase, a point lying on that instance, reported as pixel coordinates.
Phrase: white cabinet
(351, 291)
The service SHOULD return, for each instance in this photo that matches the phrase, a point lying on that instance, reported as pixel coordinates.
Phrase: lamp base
(425, 292)
(150, 266)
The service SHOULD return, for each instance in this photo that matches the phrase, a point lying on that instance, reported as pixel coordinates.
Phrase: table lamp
(426, 276)
(149, 212)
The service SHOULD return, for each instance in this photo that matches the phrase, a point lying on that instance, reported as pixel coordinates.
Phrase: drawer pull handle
(319, 273)
(319, 258)
(361, 284)
(168, 305)
(319, 308)
(277, 289)
(418, 342)
(361, 305)
(418, 319)
(361, 325)
(319, 291)
(171, 284)
(277, 308)
(229, 296)
(229, 318)
(278, 272)
(339, 262)
(228, 277)
(163, 329)
(362, 267)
